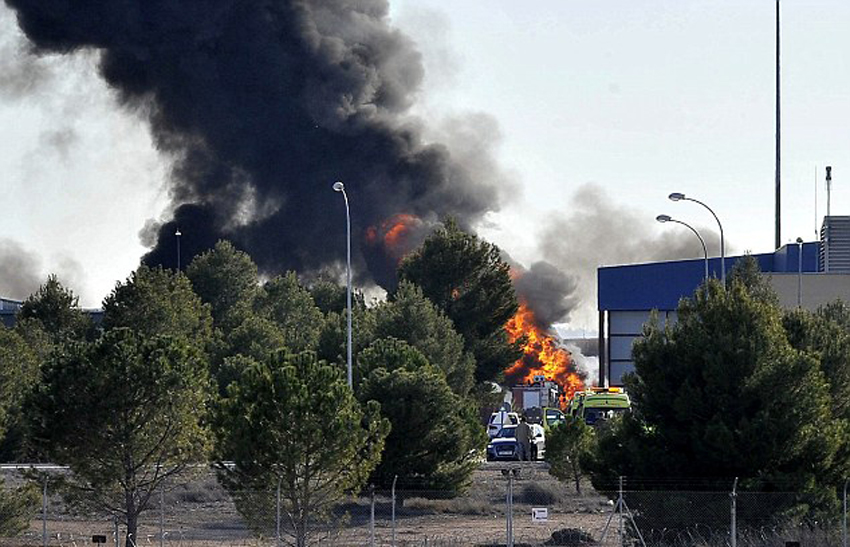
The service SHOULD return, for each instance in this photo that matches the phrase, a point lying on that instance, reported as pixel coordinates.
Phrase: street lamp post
(340, 187)
(799, 272)
(666, 218)
(177, 234)
(678, 196)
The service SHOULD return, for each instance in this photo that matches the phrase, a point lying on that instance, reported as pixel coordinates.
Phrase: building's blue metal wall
(660, 285)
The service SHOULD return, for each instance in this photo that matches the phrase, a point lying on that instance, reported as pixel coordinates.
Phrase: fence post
(844, 516)
(161, 514)
(620, 503)
(277, 514)
(44, 513)
(510, 539)
(372, 517)
(733, 532)
(395, 478)
(115, 523)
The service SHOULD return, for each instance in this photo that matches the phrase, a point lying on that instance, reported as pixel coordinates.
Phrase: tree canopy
(333, 337)
(411, 317)
(436, 437)
(226, 279)
(330, 296)
(256, 337)
(466, 277)
(155, 301)
(19, 372)
(568, 446)
(292, 421)
(282, 315)
(285, 302)
(55, 309)
(18, 375)
(722, 393)
(124, 413)
(824, 334)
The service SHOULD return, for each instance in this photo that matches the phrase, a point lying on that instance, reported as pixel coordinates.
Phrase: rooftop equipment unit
(835, 245)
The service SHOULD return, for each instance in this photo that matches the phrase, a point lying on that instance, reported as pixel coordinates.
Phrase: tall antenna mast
(778, 182)
(828, 188)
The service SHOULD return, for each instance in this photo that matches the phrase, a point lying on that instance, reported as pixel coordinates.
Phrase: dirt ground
(199, 513)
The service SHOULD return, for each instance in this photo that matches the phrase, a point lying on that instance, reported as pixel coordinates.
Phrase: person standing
(523, 439)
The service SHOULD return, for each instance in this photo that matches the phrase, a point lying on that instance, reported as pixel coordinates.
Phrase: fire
(398, 234)
(542, 355)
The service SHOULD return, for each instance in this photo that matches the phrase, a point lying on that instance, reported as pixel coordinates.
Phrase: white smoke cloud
(597, 231)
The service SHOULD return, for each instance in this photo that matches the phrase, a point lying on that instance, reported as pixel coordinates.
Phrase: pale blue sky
(643, 99)
(637, 98)
(649, 97)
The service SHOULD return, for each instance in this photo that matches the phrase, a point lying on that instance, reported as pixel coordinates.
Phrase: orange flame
(399, 230)
(542, 355)
(396, 234)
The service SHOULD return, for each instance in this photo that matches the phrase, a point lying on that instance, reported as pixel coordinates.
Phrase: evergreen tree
(48, 320)
(124, 413)
(281, 316)
(289, 305)
(467, 279)
(330, 296)
(226, 279)
(824, 335)
(55, 310)
(568, 446)
(747, 272)
(155, 301)
(333, 337)
(722, 393)
(256, 337)
(292, 422)
(411, 317)
(254, 340)
(436, 438)
(19, 375)
(19, 372)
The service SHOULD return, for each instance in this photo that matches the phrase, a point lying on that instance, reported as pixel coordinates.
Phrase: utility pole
(778, 240)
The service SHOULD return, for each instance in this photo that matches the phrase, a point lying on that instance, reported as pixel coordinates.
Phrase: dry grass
(198, 513)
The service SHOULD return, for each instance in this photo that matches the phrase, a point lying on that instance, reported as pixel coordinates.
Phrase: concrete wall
(817, 288)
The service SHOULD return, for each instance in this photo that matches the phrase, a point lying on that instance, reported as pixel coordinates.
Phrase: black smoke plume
(262, 105)
(548, 291)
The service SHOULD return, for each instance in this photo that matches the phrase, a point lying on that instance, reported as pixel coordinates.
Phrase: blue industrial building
(8, 310)
(808, 274)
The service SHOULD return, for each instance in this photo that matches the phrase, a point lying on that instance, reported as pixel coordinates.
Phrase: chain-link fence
(512, 505)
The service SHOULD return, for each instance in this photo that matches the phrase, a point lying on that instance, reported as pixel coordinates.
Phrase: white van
(500, 419)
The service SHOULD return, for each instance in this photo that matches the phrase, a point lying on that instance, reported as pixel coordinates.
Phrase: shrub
(459, 506)
(536, 493)
(17, 507)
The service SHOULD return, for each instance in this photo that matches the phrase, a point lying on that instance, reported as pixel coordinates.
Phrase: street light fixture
(667, 218)
(340, 187)
(177, 234)
(678, 196)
